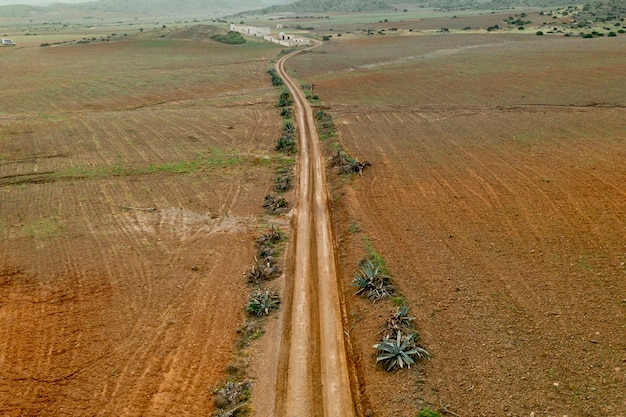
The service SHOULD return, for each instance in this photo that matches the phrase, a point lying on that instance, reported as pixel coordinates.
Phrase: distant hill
(327, 6)
(348, 6)
(162, 7)
(510, 4)
(17, 10)
(145, 8)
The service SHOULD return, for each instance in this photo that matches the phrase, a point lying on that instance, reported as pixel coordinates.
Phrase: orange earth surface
(132, 177)
(131, 181)
(496, 198)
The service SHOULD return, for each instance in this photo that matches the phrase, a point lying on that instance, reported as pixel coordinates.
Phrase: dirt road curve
(315, 376)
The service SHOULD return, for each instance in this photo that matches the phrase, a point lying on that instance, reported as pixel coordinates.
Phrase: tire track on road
(316, 379)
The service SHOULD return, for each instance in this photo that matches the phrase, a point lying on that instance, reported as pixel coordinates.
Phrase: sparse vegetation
(399, 321)
(284, 100)
(399, 352)
(232, 397)
(347, 164)
(264, 269)
(372, 282)
(276, 80)
(272, 237)
(427, 412)
(275, 205)
(284, 179)
(325, 125)
(287, 142)
(262, 302)
(231, 38)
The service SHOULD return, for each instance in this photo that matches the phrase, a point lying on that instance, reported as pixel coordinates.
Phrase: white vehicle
(7, 42)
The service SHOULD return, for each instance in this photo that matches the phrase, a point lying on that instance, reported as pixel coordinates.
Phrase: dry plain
(132, 175)
(496, 197)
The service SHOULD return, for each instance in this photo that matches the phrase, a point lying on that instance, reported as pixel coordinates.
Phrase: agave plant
(371, 281)
(254, 274)
(399, 320)
(395, 353)
(273, 235)
(261, 302)
(262, 271)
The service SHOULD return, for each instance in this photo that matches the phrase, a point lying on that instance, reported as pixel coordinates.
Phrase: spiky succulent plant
(398, 352)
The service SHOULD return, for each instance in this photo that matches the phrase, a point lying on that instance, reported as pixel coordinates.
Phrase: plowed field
(131, 185)
(496, 197)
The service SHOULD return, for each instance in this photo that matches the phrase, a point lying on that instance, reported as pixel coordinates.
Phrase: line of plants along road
(399, 341)
(399, 345)
(285, 144)
(231, 397)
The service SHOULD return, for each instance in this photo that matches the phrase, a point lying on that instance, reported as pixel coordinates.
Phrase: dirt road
(314, 379)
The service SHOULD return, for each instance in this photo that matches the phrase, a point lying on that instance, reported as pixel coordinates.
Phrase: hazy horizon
(39, 2)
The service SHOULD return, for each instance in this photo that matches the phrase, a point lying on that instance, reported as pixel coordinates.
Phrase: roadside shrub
(284, 100)
(275, 205)
(539, 33)
(398, 352)
(612, 34)
(325, 124)
(264, 269)
(348, 164)
(370, 281)
(261, 302)
(399, 321)
(283, 181)
(287, 142)
(272, 237)
(276, 80)
(285, 112)
(230, 394)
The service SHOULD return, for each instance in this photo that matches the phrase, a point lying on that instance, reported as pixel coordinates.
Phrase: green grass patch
(427, 412)
(219, 158)
(354, 227)
(325, 125)
(374, 256)
(398, 301)
(50, 117)
(47, 228)
(231, 38)
(214, 158)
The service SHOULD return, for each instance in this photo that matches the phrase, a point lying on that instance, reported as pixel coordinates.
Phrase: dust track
(314, 378)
